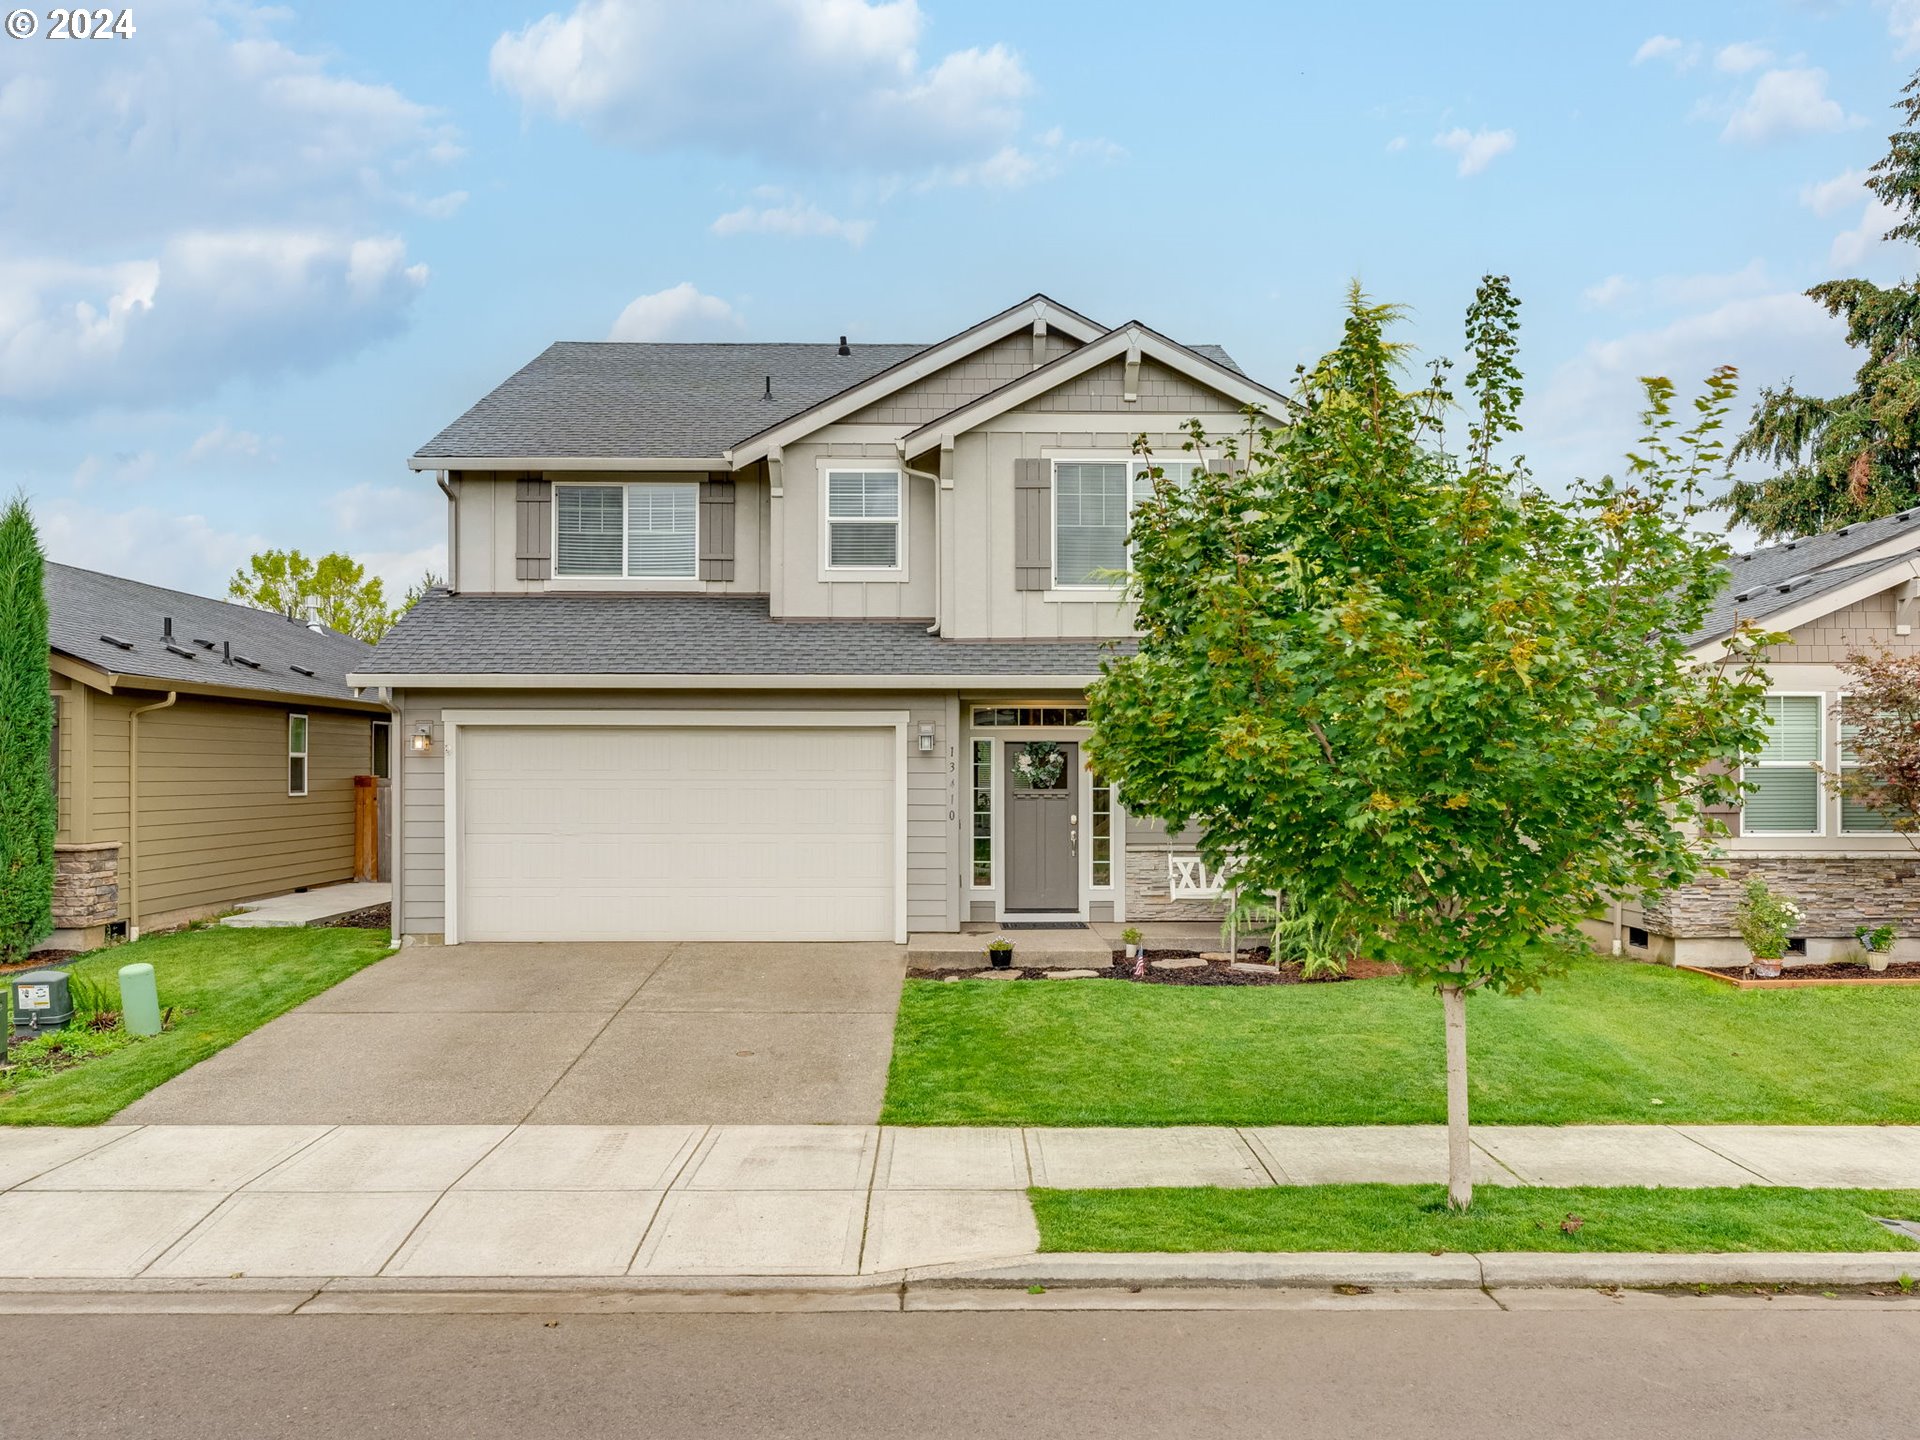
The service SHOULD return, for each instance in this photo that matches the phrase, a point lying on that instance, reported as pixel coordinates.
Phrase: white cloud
(1742, 56)
(793, 217)
(1680, 291)
(1828, 197)
(200, 203)
(1609, 292)
(817, 82)
(1477, 149)
(224, 442)
(1681, 54)
(182, 552)
(210, 305)
(1396, 144)
(1903, 23)
(1855, 246)
(94, 471)
(1786, 103)
(1586, 417)
(680, 313)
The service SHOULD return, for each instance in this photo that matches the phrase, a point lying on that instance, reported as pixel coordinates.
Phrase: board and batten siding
(216, 822)
(931, 792)
(946, 390)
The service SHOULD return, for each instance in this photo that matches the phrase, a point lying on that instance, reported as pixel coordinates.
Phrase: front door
(1043, 826)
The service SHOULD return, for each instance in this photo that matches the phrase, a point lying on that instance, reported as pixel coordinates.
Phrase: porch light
(423, 739)
(926, 739)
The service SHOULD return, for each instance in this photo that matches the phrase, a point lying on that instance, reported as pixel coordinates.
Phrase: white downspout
(934, 628)
(453, 529)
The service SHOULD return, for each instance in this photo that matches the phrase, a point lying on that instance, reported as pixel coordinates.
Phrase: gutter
(133, 809)
(453, 529)
(996, 680)
(934, 628)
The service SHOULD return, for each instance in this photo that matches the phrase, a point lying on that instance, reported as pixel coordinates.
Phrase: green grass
(1415, 1218)
(1603, 1044)
(221, 983)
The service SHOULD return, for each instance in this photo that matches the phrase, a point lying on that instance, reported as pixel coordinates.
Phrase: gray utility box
(39, 1001)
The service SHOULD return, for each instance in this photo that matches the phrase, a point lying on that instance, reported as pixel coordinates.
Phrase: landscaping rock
(1247, 967)
(1073, 974)
(1195, 964)
(1009, 974)
(1218, 955)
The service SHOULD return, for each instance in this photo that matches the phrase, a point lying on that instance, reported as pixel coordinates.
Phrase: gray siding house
(788, 641)
(1832, 595)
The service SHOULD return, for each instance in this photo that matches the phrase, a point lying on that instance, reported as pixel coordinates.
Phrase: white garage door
(646, 833)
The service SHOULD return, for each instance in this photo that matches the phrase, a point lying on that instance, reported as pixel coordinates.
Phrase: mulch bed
(1839, 970)
(41, 960)
(1216, 972)
(374, 917)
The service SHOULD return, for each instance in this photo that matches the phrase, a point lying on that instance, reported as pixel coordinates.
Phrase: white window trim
(622, 581)
(304, 754)
(992, 887)
(1817, 765)
(1059, 592)
(895, 574)
(373, 745)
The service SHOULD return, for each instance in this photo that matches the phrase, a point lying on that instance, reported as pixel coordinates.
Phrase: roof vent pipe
(844, 348)
(769, 394)
(166, 627)
(226, 652)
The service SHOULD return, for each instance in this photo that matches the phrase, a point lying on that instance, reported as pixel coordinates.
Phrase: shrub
(1765, 919)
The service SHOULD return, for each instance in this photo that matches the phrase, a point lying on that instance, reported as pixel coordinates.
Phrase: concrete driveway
(642, 1034)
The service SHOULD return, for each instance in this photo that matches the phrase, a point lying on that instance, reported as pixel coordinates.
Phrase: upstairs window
(1093, 504)
(1784, 798)
(863, 519)
(645, 531)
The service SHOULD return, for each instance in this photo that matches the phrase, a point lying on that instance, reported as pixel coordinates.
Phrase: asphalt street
(1698, 1369)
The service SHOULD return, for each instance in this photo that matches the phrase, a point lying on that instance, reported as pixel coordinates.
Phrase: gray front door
(1043, 825)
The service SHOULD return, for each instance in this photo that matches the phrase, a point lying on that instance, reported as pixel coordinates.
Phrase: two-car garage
(711, 827)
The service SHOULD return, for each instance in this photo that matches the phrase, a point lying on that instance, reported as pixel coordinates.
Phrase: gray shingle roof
(611, 399)
(84, 605)
(1774, 578)
(689, 635)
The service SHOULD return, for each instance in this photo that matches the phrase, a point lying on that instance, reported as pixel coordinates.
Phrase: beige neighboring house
(205, 754)
(789, 641)
(1851, 590)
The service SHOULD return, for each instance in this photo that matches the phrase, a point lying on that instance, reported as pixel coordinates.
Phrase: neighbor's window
(382, 750)
(1855, 818)
(296, 754)
(1093, 502)
(863, 519)
(1102, 852)
(983, 813)
(1785, 794)
(643, 531)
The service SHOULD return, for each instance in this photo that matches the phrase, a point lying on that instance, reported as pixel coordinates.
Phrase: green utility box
(39, 1001)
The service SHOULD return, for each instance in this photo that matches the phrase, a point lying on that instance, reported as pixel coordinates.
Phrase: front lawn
(1411, 1218)
(1613, 1041)
(221, 984)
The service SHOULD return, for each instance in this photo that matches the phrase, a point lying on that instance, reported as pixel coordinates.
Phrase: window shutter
(716, 530)
(533, 529)
(1032, 524)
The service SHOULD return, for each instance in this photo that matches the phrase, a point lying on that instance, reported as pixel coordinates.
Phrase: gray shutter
(716, 530)
(533, 529)
(1032, 524)
(1728, 815)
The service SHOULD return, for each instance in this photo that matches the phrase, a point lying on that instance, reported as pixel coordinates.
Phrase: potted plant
(1130, 937)
(1877, 941)
(1000, 952)
(1765, 920)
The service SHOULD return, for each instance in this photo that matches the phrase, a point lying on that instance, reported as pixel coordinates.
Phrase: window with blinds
(1090, 504)
(644, 531)
(863, 519)
(1783, 797)
(1856, 818)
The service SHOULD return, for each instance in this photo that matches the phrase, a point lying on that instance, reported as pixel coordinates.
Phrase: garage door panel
(664, 833)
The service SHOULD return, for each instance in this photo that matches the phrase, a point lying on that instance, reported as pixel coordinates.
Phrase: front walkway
(638, 1034)
(222, 1202)
(310, 907)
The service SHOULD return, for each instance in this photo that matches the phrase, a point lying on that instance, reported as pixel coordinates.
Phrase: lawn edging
(1787, 982)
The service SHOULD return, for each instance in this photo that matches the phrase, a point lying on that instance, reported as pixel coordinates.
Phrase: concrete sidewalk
(309, 907)
(234, 1201)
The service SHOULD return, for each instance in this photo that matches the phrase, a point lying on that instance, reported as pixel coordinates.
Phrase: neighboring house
(205, 753)
(788, 641)
(1834, 594)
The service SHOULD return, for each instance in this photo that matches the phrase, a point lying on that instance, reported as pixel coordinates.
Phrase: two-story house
(788, 641)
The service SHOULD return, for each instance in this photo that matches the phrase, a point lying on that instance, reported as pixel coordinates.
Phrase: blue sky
(250, 258)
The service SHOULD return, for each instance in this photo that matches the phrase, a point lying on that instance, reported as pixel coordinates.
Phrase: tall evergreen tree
(1855, 456)
(28, 816)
